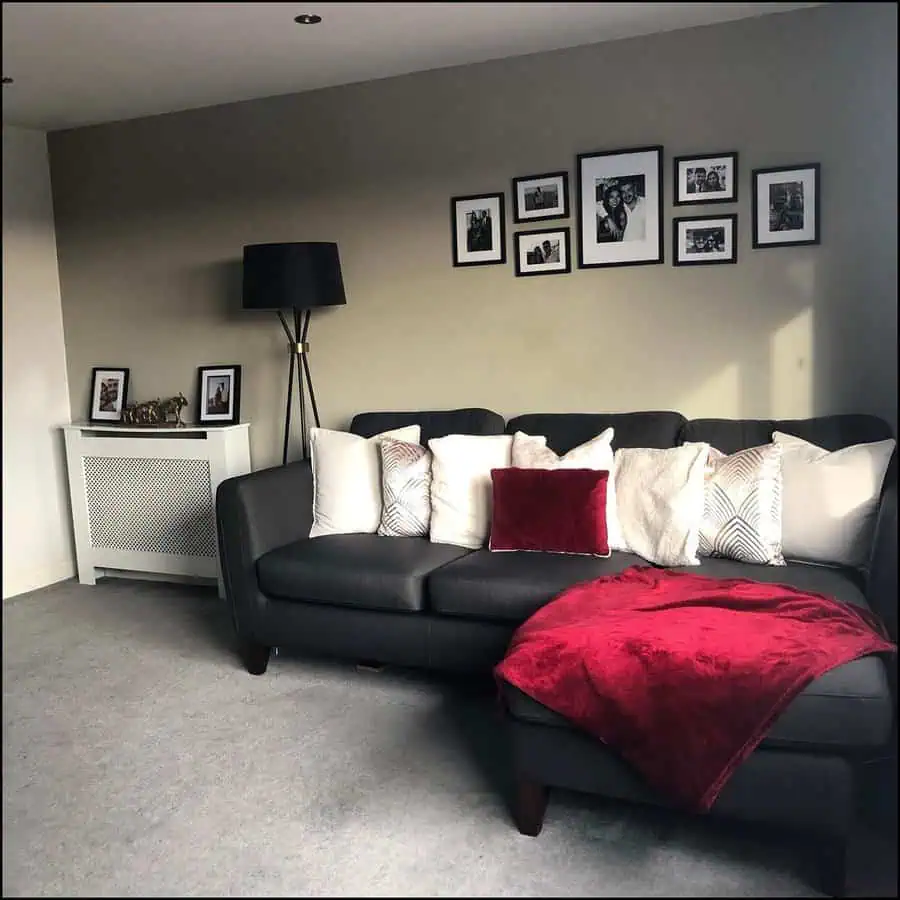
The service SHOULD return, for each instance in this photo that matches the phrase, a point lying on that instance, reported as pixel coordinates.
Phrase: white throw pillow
(659, 502)
(461, 486)
(831, 499)
(346, 470)
(530, 451)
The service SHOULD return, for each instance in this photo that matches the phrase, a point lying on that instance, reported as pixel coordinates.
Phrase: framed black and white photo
(219, 395)
(109, 388)
(479, 230)
(545, 252)
(711, 178)
(620, 219)
(540, 197)
(786, 206)
(704, 240)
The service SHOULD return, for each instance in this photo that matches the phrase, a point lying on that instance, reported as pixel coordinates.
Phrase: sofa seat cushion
(510, 586)
(848, 708)
(365, 571)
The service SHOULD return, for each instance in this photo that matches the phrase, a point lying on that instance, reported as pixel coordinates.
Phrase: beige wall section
(152, 215)
(37, 531)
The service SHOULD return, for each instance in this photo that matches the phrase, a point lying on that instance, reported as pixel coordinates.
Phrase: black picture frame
(786, 206)
(600, 175)
(704, 240)
(106, 380)
(529, 208)
(560, 247)
(687, 191)
(213, 409)
(478, 245)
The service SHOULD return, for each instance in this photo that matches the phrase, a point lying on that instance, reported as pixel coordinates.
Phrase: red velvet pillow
(555, 510)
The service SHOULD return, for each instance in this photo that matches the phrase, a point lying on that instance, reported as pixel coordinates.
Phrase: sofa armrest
(881, 580)
(256, 513)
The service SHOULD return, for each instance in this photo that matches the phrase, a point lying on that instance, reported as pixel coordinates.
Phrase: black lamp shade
(292, 276)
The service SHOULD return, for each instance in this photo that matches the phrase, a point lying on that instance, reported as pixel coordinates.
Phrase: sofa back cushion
(435, 423)
(829, 432)
(565, 431)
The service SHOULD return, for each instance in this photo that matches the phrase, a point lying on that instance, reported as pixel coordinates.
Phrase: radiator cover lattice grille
(150, 505)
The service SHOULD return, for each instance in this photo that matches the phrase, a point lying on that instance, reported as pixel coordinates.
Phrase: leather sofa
(409, 602)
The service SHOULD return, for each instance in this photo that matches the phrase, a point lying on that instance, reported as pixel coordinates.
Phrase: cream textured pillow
(530, 451)
(659, 501)
(831, 499)
(405, 489)
(346, 471)
(461, 486)
(742, 506)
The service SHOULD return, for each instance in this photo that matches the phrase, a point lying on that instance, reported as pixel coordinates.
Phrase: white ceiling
(78, 64)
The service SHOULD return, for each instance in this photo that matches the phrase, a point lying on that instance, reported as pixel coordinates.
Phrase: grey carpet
(139, 759)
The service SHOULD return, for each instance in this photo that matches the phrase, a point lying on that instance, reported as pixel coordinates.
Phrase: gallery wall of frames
(618, 210)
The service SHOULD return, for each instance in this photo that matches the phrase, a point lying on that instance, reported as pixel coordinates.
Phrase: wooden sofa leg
(254, 656)
(529, 806)
(832, 860)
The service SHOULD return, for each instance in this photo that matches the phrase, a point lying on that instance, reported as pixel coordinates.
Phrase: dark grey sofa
(409, 602)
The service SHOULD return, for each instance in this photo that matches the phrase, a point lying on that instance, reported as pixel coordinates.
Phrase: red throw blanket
(682, 674)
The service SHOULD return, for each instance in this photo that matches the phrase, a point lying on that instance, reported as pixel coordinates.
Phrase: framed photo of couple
(478, 230)
(704, 240)
(544, 252)
(705, 179)
(620, 220)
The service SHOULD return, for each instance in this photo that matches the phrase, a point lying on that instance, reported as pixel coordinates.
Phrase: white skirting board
(143, 499)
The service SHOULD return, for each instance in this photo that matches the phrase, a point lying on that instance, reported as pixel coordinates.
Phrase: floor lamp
(295, 278)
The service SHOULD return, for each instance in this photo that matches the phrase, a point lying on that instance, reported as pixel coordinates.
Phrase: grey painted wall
(152, 215)
(38, 547)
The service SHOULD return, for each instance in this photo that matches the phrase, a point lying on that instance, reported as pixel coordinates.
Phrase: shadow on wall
(814, 362)
(226, 280)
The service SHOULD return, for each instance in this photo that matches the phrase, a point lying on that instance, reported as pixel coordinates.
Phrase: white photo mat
(538, 197)
(598, 176)
(786, 206)
(486, 213)
(552, 245)
(703, 240)
(212, 380)
(689, 168)
(106, 381)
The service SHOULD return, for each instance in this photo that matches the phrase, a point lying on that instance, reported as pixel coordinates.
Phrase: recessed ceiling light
(308, 19)
(8, 80)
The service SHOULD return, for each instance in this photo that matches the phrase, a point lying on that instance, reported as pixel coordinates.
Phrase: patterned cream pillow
(742, 506)
(406, 489)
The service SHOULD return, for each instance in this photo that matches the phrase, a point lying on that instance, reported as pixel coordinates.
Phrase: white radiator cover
(143, 499)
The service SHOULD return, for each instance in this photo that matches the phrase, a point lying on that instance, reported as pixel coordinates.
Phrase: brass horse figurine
(173, 407)
(156, 412)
